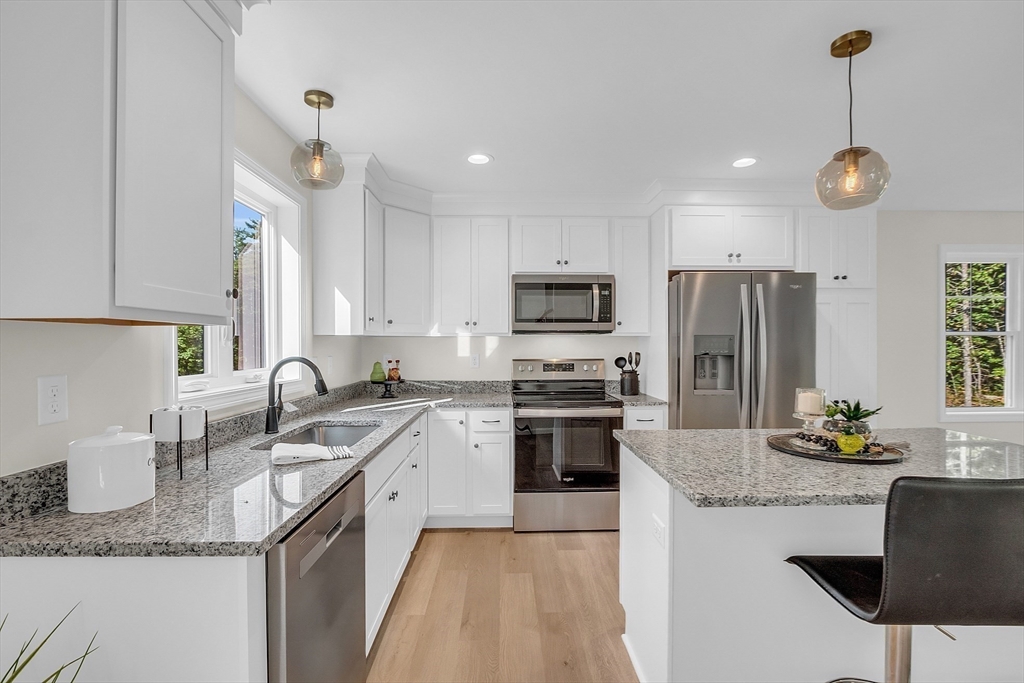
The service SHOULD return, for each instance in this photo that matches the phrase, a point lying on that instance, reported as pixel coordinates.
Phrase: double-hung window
(981, 347)
(220, 366)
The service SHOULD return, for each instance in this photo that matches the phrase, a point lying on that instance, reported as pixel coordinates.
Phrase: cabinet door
(856, 247)
(175, 142)
(453, 275)
(412, 488)
(490, 473)
(702, 236)
(490, 276)
(818, 230)
(374, 224)
(397, 496)
(422, 446)
(446, 463)
(763, 237)
(827, 342)
(585, 245)
(377, 588)
(855, 376)
(645, 418)
(406, 272)
(632, 277)
(536, 245)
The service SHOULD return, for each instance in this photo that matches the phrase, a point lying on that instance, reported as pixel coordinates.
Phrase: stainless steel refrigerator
(740, 343)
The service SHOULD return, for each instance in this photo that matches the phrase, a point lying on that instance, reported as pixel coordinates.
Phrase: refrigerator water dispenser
(713, 357)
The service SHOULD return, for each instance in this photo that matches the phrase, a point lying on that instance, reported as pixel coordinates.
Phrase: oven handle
(567, 412)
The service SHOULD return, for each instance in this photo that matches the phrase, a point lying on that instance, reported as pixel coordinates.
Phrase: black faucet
(274, 408)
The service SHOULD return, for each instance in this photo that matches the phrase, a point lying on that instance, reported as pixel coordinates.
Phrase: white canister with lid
(111, 471)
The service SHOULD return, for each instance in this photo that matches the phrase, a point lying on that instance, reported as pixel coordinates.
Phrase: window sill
(981, 415)
(220, 398)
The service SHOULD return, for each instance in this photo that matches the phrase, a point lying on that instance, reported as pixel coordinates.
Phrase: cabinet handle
(467, 323)
(416, 434)
(415, 465)
(371, 318)
(558, 262)
(474, 324)
(460, 422)
(835, 277)
(390, 322)
(565, 263)
(491, 422)
(844, 277)
(619, 323)
(738, 255)
(730, 255)
(640, 419)
(227, 293)
(476, 445)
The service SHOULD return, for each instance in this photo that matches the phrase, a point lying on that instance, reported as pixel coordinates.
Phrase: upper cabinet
(144, 134)
(632, 258)
(560, 245)
(471, 279)
(406, 272)
(373, 321)
(839, 246)
(741, 237)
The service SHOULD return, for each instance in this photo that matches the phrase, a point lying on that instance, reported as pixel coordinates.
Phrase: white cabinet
(470, 465)
(846, 345)
(144, 136)
(560, 245)
(374, 260)
(406, 272)
(839, 246)
(417, 485)
(399, 521)
(446, 462)
(654, 417)
(377, 585)
(632, 258)
(471, 279)
(741, 237)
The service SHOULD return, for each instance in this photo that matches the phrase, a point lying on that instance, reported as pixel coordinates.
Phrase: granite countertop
(242, 506)
(737, 468)
(639, 400)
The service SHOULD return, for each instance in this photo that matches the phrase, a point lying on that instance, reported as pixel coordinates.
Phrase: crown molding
(367, 170)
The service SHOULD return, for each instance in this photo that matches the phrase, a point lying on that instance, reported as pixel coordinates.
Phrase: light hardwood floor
(499, 606)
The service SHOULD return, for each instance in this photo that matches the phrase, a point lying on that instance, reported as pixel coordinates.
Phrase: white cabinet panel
(839, 246)
(406, 272)
(490, 277)
(846, 345)
(584, 245)
(858, 248)
(701, 236)
(536, 245)
(763, 237)
(632, 259)
(420, 450)
(399, 520)
(374, 302)
(491, 473)
(453, 270)
(446, 463)
(377, 588)
(818, 251)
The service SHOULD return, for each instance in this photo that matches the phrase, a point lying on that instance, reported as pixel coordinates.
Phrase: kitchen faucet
(274, 408)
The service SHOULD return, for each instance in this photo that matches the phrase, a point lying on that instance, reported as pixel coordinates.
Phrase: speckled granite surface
(735, 468)
(242, 506)
(639, 400)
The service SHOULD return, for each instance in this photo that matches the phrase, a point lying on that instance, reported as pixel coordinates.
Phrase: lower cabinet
(470, 467)
(490, 477)
(446, 455)
(654, 417)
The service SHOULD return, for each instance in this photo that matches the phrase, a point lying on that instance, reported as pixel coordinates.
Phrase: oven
(559, 449)
(557, 303)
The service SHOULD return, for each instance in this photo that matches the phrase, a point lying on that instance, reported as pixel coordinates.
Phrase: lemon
(850, 443)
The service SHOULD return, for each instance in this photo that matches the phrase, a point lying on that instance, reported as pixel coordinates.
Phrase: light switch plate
(52, 399)
(474, 360)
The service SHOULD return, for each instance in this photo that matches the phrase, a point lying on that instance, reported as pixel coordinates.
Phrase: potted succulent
(846, 420)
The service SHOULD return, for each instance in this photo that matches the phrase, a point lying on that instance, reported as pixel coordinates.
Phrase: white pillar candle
(809, 403)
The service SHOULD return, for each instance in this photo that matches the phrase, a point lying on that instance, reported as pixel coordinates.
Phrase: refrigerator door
(710, 350)
(783, 322)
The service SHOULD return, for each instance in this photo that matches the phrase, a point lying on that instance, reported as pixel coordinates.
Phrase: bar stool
(953, 554)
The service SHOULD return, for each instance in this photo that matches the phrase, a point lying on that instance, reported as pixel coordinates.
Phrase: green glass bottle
(377, 374)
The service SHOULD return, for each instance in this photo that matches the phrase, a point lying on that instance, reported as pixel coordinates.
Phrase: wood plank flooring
(492, 605)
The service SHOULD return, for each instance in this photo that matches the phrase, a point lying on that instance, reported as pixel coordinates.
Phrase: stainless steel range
(567, 462)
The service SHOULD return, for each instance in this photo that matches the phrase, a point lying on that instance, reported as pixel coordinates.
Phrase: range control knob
(530, 368)
(585, 367)
(520, 368)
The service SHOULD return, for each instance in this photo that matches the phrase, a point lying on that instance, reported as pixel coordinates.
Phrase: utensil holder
(181, 423)
(629, 383)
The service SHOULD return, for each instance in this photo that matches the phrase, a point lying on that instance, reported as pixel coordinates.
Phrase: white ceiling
(607, 97)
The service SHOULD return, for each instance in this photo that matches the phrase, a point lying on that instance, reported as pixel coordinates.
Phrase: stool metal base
(897, 656)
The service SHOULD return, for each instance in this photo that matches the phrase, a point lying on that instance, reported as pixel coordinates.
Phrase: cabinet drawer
(645, 419)
(385, 463)
(489, 421)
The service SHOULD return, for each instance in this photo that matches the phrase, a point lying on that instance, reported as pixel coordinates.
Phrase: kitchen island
(708, 518)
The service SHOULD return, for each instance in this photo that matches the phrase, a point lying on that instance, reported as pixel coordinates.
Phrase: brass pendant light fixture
(314, 164)
(855, 176)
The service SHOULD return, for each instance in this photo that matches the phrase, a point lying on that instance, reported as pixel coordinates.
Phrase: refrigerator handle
(762, 351)
(743, 371)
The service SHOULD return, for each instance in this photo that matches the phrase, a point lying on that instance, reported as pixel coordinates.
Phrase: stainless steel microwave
(555, 303)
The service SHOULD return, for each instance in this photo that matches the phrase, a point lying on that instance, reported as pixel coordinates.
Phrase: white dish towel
(288, 453)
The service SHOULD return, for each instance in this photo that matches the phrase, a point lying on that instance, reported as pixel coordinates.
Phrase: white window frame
(1013, 256)
(284, 313)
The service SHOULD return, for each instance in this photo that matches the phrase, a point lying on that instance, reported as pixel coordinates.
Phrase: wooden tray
(789, 443)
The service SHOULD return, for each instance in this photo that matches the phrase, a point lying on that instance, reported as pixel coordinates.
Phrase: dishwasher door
(316, 595)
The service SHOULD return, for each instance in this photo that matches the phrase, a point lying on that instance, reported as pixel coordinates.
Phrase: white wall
(449, 357)
(908, 310)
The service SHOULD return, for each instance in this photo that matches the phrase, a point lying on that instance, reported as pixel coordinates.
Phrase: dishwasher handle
(326, 538)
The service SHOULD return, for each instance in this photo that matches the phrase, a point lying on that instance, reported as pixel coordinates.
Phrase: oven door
(551, 303)
(566, 449)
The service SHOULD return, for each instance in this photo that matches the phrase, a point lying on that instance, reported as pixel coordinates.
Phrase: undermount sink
(332, 435)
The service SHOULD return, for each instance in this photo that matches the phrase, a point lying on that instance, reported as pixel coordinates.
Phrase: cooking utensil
(637, 367)
(620, 362)
(630, 359)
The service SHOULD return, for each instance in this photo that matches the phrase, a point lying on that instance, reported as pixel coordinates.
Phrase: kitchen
(117, 374)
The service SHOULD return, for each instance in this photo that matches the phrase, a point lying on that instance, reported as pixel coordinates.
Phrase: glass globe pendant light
(314, 164)
(855, 176)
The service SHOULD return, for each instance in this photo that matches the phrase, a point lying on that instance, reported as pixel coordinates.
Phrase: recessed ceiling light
(744, 162)
(479, 158)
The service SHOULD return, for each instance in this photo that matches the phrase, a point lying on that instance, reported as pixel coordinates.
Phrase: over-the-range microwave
(561, 303)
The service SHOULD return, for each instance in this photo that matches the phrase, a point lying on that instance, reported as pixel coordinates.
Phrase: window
(234, 360)
(980, 341)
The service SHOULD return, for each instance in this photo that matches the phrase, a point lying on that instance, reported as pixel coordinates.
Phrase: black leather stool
(953, 554)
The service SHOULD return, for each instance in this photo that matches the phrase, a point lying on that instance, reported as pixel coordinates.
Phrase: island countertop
(737, 468)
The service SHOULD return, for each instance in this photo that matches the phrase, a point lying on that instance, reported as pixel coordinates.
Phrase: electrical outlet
(330, 365)
(52, 399)
(658, 530)
(474, 360)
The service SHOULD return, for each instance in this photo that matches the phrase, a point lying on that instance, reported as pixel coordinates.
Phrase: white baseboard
(468, 522)
(632, 660)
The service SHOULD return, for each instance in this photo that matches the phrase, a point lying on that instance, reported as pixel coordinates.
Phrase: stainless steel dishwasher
(316, 595)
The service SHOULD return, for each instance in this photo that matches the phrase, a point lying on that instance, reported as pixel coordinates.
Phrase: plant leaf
(89, 649)
(34, 652)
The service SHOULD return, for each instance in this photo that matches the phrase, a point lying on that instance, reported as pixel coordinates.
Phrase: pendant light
(314, 163)
(855, 176)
